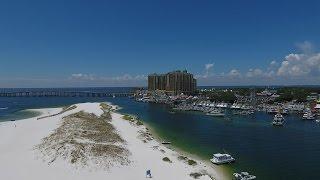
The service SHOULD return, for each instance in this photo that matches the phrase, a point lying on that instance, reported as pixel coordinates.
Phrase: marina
(160, 90)
(308, 115)
(218, 109)
(209, 134)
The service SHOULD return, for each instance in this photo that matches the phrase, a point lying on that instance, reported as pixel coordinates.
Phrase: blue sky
(118, 43)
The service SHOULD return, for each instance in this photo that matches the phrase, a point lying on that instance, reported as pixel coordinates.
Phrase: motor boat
(235, 106)
(278, 120)
(308, 116)
(216, 112)
(244, 176)
(221, 158)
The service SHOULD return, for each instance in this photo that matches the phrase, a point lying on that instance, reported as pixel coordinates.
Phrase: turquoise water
(289, 152)
(20, 114)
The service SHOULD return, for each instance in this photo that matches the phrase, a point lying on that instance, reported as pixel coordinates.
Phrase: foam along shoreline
(20, 159)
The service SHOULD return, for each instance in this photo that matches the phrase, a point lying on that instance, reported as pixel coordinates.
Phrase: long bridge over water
(64, 94)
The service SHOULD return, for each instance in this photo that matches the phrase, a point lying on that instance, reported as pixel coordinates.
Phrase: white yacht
(222, 158)
(246, 107)
(220, 105)
(235, 106)
(212, 105)
(244, 176)
(285, 111)
(272, 110)
(278, 120)
(308, 116)
(216, 112)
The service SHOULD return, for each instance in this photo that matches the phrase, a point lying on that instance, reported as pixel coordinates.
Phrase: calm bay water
(289, 152)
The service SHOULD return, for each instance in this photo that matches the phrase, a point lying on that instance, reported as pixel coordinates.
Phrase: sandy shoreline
(223, 172)
(19, 159)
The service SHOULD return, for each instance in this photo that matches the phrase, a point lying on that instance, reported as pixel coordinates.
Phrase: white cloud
(127, 77)
(253, 73)
(91, 77)
(273, 63)
(207, 68)
(294, 69)
(306, 47)
(300, 65)
(90, 80)
(81, 76)
(234, 73)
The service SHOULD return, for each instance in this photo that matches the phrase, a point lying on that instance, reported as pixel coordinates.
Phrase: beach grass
(166, 159)
(84, 136)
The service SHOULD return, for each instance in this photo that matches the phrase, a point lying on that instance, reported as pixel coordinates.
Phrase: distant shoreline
(145, 86)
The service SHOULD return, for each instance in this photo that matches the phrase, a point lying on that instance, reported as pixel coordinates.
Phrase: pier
(64, 94)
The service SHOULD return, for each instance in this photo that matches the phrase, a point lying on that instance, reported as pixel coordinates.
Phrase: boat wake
(3, 108)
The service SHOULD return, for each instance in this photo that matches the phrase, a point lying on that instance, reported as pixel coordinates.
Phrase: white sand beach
(19, 159)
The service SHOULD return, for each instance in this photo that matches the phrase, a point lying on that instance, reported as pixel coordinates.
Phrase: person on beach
(148, 175)
(14, 123)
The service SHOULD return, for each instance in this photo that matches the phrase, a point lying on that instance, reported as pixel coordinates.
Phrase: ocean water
(14, 108)
(289, 152)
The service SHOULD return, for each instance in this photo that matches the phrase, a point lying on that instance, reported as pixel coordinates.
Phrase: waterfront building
(312, 97)
(175, 82)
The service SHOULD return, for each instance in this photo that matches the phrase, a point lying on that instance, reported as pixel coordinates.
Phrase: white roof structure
(219, 155)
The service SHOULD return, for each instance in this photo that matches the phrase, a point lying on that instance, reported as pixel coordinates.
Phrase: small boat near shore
(278, 120)
(216, 112)
(244, 176)
(235, 106)
(272, 110)
(308, 116)
(221, 159)
(165, 142)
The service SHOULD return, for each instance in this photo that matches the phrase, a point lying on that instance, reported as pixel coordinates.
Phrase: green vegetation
(68, 108)
(139, 123)
(132, 119)
(106, 111)
(295, 93)
(187, 160)
(286, 93)
(83, 136)
(196, 175)
(105, 106)
(192, 162)
(127, 117)
(166, 159)
(182, 158)
(220, 95)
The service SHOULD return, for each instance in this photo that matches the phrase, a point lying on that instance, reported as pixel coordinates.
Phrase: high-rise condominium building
(175, 82)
